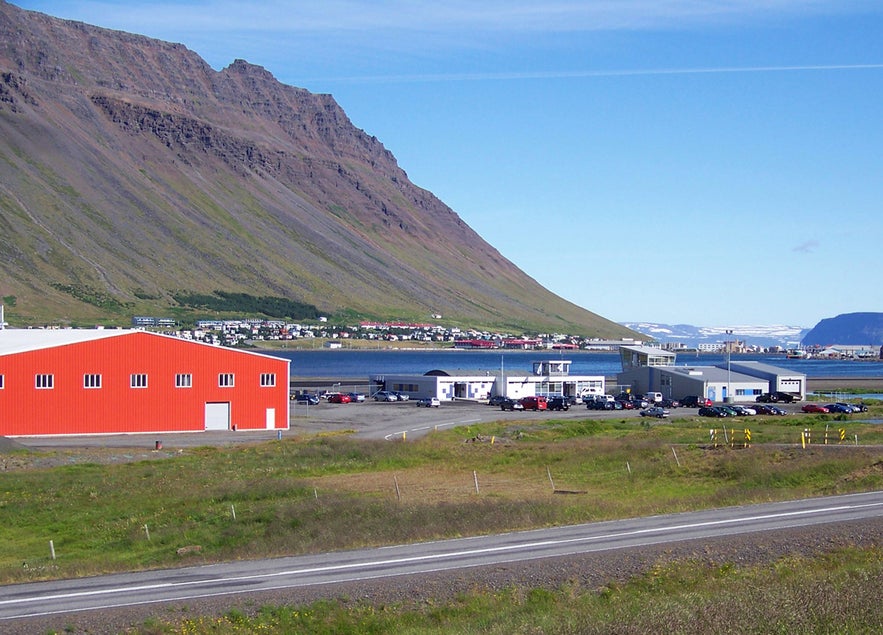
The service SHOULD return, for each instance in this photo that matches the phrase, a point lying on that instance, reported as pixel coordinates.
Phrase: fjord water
(363, 363)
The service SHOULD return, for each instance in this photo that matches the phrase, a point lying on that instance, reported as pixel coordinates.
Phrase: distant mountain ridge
(692, 336)
(848, 329)
(851, 329)
(134, 177)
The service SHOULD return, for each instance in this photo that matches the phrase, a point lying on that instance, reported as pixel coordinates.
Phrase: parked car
(814, 408)
(743, 411)
(609, 405)
(428, 402)
(765, 409)
(306, 398)
(511, 404)
(655, 411)
(496, 400)
(356, 397)
(558, 403)
(401, 396)
(852, 407)
(669, 403)
(778, 411)
(695, 401)
(339, 398)
(385, 395)
(712, 411)
(534, 403)
(777, 396)
(840, 408)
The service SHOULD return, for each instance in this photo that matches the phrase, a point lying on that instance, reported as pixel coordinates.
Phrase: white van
(653, 397)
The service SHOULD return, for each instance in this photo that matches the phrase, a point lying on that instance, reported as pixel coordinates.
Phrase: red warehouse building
(124, 381)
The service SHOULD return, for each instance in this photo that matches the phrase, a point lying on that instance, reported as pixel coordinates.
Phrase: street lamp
(729, 350)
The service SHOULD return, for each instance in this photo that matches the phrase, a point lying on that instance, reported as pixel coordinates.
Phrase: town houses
(234, 332)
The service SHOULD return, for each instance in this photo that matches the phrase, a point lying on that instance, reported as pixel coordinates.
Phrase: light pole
(729, 350)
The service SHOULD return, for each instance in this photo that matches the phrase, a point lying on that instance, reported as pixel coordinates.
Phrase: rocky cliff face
(131, 171)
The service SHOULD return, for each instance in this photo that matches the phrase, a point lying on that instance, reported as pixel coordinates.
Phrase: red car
(534, 403)
(339, 398)
(814, 407)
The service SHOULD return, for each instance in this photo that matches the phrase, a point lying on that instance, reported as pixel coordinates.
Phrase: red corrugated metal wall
(70, 408)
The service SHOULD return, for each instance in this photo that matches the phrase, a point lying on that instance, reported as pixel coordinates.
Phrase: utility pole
(729, 350)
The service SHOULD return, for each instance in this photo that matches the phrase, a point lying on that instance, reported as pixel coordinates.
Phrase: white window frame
(44, 381)
(138, 380)
(183, 380)
(91, 381)
(226, 380)
(268, 380)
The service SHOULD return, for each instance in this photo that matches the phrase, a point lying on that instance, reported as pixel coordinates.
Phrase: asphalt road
(189, 584)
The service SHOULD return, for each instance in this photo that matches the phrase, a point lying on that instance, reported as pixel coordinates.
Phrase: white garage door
(791, 385)
(217, 416)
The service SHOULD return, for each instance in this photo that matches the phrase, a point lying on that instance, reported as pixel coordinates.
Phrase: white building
(548, 377)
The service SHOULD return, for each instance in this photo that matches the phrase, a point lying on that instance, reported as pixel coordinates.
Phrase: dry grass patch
(429, 485)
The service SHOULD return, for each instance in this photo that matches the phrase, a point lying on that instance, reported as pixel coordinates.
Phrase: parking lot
(382, 420)
(368, 420)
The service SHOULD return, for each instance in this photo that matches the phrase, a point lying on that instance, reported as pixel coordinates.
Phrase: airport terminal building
(547, 378)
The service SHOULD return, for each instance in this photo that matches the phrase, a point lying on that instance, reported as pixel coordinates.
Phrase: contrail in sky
(465, 77)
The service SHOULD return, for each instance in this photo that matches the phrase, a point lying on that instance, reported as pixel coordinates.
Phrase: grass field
(322, 493)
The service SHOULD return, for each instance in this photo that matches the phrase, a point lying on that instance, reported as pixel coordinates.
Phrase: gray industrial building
(647, 369)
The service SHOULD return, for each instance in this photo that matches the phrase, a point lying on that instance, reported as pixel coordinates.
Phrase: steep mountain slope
(132, 174)
(856, 329)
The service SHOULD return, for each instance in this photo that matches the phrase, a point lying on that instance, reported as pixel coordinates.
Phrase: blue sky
(678, 161)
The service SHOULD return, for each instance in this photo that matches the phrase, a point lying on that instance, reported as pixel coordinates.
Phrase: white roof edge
(14, 341)
(25, 340)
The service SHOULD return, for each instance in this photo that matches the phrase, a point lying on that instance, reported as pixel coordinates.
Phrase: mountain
(854, 329)
(692, 336)
(137, 180)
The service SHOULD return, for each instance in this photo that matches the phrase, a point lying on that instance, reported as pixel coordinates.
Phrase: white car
(429, 402)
